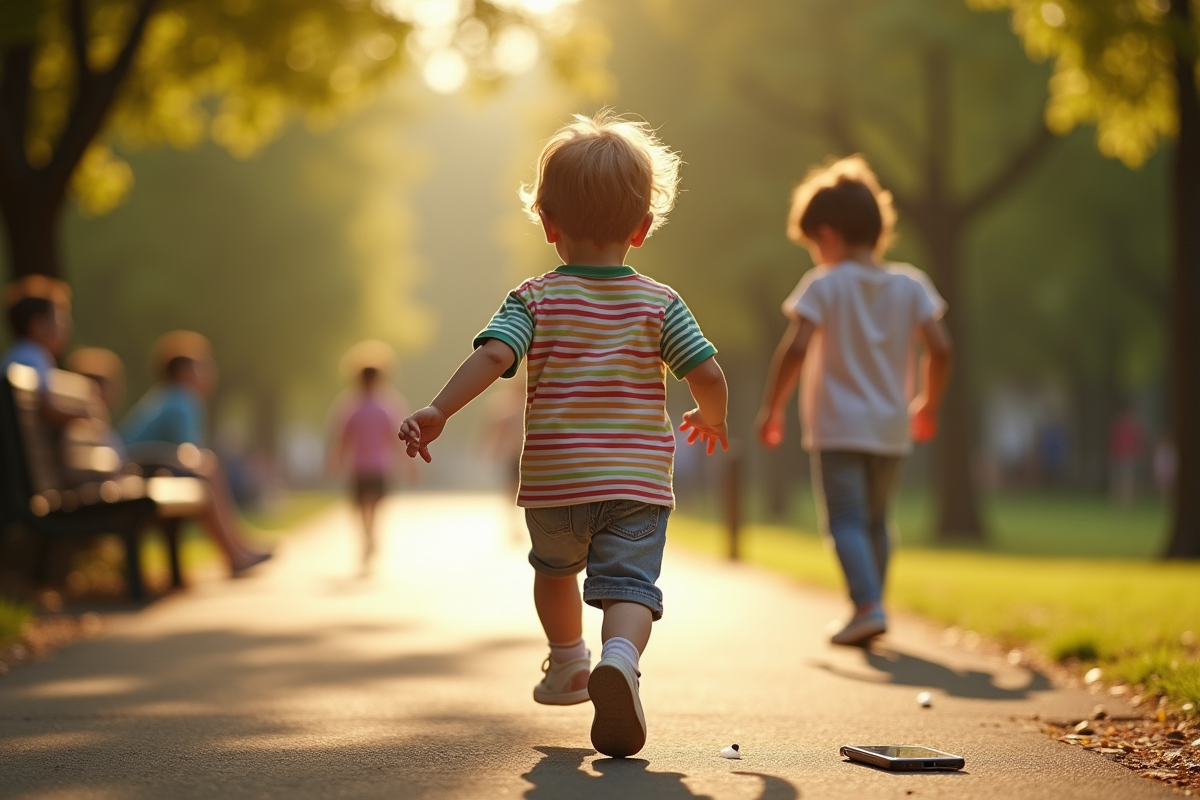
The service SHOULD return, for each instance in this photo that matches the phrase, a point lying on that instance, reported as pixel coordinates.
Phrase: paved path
(307, 682)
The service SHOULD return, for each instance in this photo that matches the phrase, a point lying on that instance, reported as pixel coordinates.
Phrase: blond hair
(846, 196)
(599, 176)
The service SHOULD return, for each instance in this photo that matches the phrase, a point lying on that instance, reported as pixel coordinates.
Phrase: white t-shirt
(858, 374)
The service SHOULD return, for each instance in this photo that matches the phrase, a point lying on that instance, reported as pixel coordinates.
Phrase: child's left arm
(481, 369)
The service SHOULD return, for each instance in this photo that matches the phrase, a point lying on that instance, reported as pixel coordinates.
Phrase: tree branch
(79, 40)
(93, 102)
(1020, 164)
(828, 122)
(14, 115)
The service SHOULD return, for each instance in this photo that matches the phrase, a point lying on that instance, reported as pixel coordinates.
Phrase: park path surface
(306, 681)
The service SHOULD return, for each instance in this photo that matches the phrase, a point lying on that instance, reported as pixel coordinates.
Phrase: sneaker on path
(563, 684)
(861, 629)
(619, 727)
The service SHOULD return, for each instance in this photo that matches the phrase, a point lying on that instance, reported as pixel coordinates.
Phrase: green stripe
(586, 271)
(683, 369)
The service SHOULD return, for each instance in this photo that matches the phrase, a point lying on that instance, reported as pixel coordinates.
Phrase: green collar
(583, 271)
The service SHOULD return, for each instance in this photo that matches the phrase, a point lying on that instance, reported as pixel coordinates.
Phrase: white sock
(623, 649)
(564, 653)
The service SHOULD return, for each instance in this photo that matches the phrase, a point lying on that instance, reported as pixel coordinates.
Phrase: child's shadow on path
(559, 774)
(906, 669)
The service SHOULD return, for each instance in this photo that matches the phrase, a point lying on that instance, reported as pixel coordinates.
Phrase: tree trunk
(1185, 303)
(955, 492)
(942, 227)
(33, 243)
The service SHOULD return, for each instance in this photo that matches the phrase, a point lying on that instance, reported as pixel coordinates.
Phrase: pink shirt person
(367, 423)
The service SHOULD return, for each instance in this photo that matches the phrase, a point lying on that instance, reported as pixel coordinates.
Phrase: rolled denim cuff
(632, 590)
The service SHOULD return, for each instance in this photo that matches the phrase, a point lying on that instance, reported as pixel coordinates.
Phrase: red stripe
(548, 314)
(654, 437)
(550, 493)
(659, 395)
(616, 351)
(567, 301)
(656, 499)
(563, 447)
(623, 384)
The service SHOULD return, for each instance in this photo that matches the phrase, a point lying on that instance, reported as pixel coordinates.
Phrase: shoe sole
(862, 638)
(568, 699)
(619, 728)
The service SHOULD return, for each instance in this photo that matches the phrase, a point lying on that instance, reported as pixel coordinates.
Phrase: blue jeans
(854, 496)
(619, 542)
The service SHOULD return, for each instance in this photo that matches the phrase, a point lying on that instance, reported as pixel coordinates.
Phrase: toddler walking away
(364, 425)
(854, 319)
(598, 451)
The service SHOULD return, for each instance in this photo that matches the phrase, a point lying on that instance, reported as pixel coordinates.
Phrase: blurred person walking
(364, 425)
(166, 428)
(853, 321)
(1125, 442)
(599, 445)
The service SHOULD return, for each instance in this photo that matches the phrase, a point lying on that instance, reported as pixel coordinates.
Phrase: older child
(597, 458)
(854, 318)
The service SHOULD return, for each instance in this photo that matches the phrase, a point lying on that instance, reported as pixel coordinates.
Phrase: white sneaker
(861, 629)
(619, 727)
(564, 684)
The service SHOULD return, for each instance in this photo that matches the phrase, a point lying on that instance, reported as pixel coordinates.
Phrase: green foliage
(14, 615)
(1041, 269)
(1113, 61)
(236, 71)
(283, 261)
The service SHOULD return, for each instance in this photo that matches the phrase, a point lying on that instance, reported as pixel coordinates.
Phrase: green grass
(1131, 616)
(1026, 524)
(13, 616)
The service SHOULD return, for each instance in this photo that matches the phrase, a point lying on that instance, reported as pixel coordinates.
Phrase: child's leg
(624, 562)
(558, 555)
(559, 607)
(367, 507)
(840, 483)
(883, 476)
(627, 620)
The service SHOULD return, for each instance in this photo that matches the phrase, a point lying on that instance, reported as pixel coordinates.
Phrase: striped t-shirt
(599, 341)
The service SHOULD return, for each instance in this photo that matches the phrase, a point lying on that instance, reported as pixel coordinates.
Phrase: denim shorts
(619, 542)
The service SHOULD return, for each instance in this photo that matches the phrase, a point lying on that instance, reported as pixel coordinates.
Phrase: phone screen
(904, 751)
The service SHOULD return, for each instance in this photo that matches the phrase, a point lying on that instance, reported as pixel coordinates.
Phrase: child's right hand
(419, 430)
(769, 427)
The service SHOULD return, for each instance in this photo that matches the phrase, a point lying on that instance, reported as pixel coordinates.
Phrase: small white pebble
(925, 699)
(733, 751)
(1094, 674)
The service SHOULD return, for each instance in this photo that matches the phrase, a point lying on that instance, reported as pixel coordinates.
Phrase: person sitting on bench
(39, 314)
(166, 427)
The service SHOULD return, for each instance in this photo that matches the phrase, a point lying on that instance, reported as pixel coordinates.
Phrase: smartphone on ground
(902, 757)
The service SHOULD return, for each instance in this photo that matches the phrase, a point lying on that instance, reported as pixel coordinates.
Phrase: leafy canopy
(236, 71)
(1113, 62)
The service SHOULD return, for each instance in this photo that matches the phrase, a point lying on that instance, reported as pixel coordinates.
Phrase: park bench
(69, 483)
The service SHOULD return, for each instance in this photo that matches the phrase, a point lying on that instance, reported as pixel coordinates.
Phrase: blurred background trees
(1129, 68)
(392, 214)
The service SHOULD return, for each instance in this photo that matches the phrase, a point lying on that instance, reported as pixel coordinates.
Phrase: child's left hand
(924, 424)
(706, 432)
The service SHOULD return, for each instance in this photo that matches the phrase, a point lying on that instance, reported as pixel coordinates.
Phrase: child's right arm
(481, 369)
(782, 379)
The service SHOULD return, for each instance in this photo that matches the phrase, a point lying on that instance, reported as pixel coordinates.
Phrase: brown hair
(846, 196)
(599, 176)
